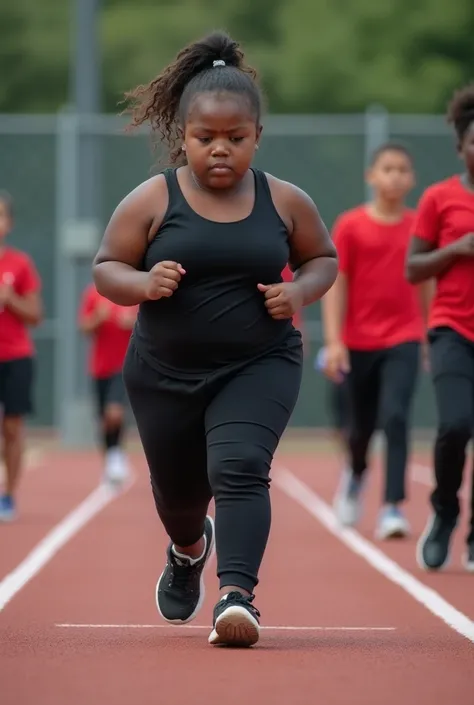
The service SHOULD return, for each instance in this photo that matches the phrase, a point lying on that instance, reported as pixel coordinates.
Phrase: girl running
(214, 366)
(443, 247)
(109, 327)
(20, 308)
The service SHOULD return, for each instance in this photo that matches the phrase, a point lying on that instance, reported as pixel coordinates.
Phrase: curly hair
(461, 110)
(165, 101)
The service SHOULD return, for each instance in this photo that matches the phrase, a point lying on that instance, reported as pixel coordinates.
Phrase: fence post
(76, 239)
(377, 131)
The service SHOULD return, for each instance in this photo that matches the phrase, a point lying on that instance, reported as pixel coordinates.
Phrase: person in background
(20, 308)
(373, 327)
(109, 327)
(442, 247)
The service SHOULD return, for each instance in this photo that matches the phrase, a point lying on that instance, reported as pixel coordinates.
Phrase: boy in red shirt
(373, 327)
(20, 307)
(443, 247)
(110, 327)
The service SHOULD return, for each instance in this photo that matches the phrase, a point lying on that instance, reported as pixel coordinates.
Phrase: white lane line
(431, 600)
(195, 626)
(56, 539)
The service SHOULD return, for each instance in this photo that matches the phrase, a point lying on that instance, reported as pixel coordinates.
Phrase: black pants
(381, 387)
(338, 405)
(109, 390)
(216, 440)
(452, 363)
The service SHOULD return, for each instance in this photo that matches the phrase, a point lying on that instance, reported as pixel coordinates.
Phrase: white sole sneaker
(202, 587)
(392, 528)
(468, 564)
(421, 543)
(348, 509)
(235, 627)
(116, 471)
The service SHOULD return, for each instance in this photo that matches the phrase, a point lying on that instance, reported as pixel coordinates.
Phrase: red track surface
(107, 572)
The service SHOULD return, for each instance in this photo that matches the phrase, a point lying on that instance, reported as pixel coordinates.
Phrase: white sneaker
(468, 558)
(116, 467)
(348, 500)
(392, 524)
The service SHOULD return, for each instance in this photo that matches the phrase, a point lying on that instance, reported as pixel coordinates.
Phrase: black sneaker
(236, 621)
(469, 557)
(435, 543)
(180, 588)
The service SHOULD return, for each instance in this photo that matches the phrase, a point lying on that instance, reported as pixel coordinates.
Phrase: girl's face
(466, 150)
(220, 138)
(5, 220)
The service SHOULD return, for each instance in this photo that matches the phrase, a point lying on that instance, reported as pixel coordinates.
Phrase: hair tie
(218, 62)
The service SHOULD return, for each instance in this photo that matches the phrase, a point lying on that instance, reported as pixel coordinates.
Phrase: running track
(355, 628)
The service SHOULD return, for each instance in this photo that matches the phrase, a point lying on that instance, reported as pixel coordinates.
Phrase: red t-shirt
(110, 340)
(383, 309)
(287, 276)
(445, 214)
(18, 270)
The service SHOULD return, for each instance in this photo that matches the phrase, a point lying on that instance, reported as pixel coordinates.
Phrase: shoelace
(244, 600)
(182, 574)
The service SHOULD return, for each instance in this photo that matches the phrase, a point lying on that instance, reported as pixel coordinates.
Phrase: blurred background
(339, 77)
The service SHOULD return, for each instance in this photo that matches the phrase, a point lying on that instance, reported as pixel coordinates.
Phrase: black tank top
(217, 317)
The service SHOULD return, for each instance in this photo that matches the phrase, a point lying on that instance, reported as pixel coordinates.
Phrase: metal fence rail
(67, 173)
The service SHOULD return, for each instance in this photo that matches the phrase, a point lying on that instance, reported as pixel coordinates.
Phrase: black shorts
(110, 390)
(16, 386)
(338, 404)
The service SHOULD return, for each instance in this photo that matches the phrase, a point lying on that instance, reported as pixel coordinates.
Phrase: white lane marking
(56, 539)
(431, 600)
(195, 626)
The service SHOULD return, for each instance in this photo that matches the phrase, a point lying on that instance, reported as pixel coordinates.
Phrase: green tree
(312, 55)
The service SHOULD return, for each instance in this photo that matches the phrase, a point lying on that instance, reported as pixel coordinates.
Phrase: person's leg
(398, 382)
(363, 382)
(337, 401)
(17, 382)
(113, 425)
(244, 423)
(452, 363)
(170, 424)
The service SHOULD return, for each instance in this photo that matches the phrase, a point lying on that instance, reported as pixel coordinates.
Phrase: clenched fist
(282, 300)
(163, 280)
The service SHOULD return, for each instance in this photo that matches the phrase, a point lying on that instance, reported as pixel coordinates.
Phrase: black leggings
(216, 440)
(381, 387)
(452, 363)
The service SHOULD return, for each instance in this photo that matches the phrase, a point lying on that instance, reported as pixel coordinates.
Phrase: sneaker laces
(244, 600)
(182, 574)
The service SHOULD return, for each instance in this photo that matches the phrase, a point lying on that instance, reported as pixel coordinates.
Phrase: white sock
(184, 557)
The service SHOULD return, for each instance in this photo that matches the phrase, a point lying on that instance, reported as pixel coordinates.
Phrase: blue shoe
(392, 524)
(7, 508)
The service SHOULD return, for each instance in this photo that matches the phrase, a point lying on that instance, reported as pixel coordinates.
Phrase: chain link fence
(67, 173)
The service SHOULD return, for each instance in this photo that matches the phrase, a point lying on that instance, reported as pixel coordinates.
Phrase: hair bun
(218, 46)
